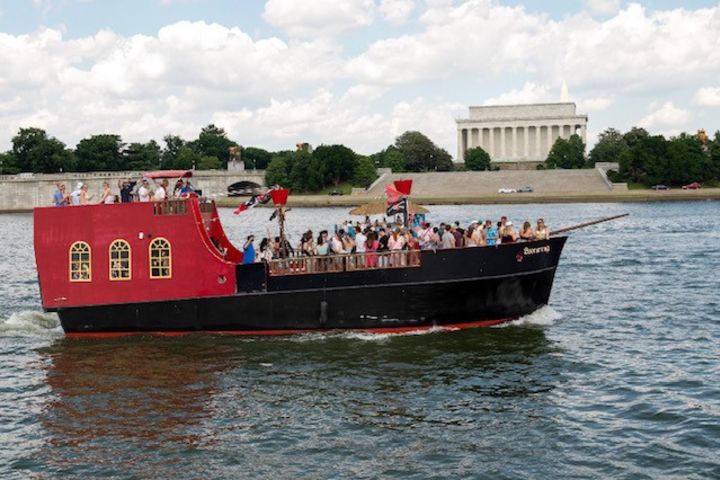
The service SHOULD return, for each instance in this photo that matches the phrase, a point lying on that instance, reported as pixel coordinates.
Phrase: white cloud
(595, 104)
(707, 97)
(318, 18)
(603, 7)
(667, 119)
(396, 11)
(631, 51)
(327, 118)
(529, 93)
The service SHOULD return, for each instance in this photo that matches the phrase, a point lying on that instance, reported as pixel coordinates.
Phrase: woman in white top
(107, 195)
(144, 191)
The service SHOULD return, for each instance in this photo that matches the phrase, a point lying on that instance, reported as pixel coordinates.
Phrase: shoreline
(631, 196)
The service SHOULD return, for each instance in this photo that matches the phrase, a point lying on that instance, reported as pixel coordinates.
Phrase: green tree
(420, 154)
(610, 145)
(34, 151)
(171, 153)
(685, 161)
(646, 161)
(100, 153)
(364, 172)
(213, 142)
(7, 164)
(258, 158)
(393, 160)
(337, 162)
(477, 159)
(567, 153)
(187, 158)
(142, 156)
(209, 163)
(714, 156)
(276, 172)
(634, 136)
(306, 172)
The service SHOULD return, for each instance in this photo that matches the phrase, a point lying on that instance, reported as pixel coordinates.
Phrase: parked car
(660, 187)
(507, 190)
(335, 193)
(525, 189)
(691, 186)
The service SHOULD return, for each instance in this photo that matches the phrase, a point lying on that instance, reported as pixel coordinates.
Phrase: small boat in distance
(168, 268)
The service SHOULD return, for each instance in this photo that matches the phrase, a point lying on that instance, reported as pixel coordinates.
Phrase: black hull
(475, 286)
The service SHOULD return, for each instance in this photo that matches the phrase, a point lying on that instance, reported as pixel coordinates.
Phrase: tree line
(33, 150)
(652, 159)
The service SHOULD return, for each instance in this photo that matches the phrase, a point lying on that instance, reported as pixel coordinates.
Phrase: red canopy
(169, 174)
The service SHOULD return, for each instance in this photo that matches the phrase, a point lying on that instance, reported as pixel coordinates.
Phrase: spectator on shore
(60, 197)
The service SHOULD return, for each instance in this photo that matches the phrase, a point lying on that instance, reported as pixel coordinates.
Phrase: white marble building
(518, 133)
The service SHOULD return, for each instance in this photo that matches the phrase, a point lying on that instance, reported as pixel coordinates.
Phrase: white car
(507, 190)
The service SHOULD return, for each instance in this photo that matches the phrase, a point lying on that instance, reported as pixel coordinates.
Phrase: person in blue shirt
(492, 233)
(249, 250)
(60, 198)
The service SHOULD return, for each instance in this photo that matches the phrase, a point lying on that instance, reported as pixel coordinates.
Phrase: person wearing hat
(144, 191)
(508, 234)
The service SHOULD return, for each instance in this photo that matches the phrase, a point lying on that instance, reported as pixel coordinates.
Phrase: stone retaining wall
(25, 191)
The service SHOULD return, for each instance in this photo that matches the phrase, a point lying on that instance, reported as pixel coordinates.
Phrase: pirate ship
(168, 268)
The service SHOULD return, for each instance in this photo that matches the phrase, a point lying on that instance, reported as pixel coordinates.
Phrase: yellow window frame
(80, 262)
(119, 265)
(160, 263)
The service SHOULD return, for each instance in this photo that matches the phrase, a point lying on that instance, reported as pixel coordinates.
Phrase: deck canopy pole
(587, 224)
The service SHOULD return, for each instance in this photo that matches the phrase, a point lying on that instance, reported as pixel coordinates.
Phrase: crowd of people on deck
(370, 237)
(145, 190)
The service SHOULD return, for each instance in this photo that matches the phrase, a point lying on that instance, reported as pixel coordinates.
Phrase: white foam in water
(31, 324)
(362, 335)
(542, 317)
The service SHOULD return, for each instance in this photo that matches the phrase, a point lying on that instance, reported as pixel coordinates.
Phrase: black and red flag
(401, 206)
(255, 200)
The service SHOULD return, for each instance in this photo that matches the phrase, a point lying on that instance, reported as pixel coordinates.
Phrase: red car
(691, 186)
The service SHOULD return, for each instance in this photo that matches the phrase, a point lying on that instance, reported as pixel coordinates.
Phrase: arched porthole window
(160, 258)
(80, 265)
(120, 260)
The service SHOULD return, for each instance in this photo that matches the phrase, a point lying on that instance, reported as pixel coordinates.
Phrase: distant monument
(235, 163)
(520, 134)
(303, 147)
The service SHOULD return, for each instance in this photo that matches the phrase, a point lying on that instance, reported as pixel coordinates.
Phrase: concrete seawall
(25, 191)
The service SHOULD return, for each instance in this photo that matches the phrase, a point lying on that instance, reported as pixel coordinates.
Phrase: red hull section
(269, 333)
(202, 260)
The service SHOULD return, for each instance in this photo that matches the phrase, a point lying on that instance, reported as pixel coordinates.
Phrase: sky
(274, 73)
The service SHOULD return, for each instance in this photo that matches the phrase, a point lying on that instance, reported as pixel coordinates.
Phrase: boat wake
(28, 323)
(542, 317)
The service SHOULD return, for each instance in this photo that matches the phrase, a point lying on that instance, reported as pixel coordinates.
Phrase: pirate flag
(398, 207)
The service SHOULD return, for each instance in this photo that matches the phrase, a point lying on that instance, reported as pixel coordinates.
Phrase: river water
(618, 378)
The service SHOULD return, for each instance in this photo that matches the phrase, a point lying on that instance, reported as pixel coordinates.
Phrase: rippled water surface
(618, 378)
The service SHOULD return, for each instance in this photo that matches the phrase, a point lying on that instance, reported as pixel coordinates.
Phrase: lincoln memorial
(518, 133)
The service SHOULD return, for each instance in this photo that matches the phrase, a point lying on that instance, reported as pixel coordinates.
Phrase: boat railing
(297, 264)
(170, 207)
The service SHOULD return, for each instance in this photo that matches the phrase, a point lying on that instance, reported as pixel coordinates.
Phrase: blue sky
(360, 72)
